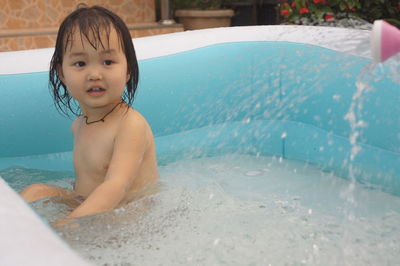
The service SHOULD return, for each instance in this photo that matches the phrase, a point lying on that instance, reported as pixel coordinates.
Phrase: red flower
(319, 1)
(293, 4)
(329, 17)
(304, 10)
(284, 12)
(351, 8)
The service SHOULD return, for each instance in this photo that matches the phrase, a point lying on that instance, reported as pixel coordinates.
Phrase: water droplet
(317, 118)
(253, 173)
(336, 97)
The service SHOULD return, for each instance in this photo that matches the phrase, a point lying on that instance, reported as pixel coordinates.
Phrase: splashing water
(357, 123)
(354, 117)
(240, 210)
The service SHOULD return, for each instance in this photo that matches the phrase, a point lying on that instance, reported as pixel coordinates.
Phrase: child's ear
(128, 76)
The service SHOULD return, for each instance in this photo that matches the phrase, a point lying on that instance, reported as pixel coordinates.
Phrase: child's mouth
(96, 91)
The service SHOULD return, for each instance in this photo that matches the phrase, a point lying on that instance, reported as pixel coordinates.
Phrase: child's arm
(129, 149)
(41, 191)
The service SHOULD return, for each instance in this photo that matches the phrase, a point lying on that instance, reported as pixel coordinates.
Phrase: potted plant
(202, 14)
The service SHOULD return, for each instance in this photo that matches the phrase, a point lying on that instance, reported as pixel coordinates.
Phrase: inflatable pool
(291, 92)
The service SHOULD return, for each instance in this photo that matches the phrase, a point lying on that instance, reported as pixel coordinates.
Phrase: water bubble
(253, 173)
(336, 97)
(354, 151)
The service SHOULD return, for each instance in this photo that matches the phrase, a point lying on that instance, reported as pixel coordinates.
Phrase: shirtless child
(94, 64)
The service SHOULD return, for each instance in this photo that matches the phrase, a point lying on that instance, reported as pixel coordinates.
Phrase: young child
(94, 64)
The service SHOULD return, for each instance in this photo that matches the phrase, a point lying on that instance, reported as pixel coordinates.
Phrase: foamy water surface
(240, 210)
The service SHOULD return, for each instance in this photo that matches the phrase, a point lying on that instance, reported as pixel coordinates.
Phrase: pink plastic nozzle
(385, 41)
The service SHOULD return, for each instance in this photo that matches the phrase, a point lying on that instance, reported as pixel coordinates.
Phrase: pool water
(237, 210)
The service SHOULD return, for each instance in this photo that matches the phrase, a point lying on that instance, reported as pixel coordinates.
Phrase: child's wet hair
(92, 23)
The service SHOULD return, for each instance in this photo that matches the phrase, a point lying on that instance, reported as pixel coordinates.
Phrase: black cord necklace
(103, 118)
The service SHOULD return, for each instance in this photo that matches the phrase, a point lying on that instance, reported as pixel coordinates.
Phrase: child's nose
(94, 74)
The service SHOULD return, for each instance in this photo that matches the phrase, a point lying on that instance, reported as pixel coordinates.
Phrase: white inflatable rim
(338, 39)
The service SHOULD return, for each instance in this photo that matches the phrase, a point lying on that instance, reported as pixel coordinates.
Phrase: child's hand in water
(65, 223)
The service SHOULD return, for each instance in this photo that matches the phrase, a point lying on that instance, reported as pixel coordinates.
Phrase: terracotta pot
(203, 19)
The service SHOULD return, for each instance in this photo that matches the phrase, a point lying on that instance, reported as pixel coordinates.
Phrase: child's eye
(79, 64)
(108, 62)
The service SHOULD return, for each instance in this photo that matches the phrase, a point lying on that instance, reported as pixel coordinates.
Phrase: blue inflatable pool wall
(274, 98)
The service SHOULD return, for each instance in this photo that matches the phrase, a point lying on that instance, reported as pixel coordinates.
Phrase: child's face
(95, 78)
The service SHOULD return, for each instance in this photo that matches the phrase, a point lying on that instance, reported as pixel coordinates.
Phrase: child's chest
(93, 149)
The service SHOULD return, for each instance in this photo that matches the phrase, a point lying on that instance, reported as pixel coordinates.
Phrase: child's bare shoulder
(134, 117)
(134, 122)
